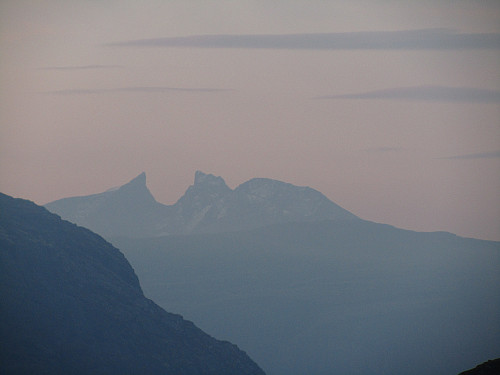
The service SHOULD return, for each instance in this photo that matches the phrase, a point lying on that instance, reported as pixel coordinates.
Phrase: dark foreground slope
(350, 297)
(491, 367)
(71, 304)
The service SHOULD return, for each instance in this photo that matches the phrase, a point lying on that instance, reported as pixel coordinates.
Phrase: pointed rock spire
(139, 180)
(201, 178)
(206, 191)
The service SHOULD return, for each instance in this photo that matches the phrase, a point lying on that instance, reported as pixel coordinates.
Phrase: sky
(389, 108)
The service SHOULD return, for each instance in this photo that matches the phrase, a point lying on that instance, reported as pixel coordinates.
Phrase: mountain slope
(346, 297)
(255, 203)
(128, 210)
(72, 304)
(207, 206)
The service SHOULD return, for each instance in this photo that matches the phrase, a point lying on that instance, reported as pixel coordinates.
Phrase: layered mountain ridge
(305, 286)
(208, 206)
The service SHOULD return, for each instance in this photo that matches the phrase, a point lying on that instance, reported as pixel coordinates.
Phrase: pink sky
(395, 130)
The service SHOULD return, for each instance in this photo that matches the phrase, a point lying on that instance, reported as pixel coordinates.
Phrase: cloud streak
(134, 89)
(82, 67)
(479, 155)
(426, 93)
(423, 39)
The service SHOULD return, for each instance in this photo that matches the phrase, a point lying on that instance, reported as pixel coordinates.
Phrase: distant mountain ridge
(208, 206)
(130, 209)
(70, 303)
(307, 287)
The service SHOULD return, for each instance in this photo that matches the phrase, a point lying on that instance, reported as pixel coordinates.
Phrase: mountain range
(70, 303)
(303, 285)
(208, 206)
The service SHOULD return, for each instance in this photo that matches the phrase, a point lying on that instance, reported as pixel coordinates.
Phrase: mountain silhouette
(306, 287)
(208, 206)
(491, 367)
(72, 304)
(128, 210)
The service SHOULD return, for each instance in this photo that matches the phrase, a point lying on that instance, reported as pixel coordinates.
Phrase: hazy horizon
(390, 109)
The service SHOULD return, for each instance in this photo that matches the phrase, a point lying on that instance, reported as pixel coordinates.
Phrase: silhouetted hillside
(72, 304)
(491, 367)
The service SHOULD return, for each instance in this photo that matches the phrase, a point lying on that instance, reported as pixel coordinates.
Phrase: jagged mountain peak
(139, 180)
(208, 205)
(127, 209)
(134, 194)
(137, 184)
(206, 190)
(201, 178)
(206, 186)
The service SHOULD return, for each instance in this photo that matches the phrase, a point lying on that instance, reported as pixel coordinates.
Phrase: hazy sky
(389, 108)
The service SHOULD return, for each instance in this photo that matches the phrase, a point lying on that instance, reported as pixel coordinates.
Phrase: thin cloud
(426, 93)
(479, 155)
(135, 89)
(82, 67)
(437, 38)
